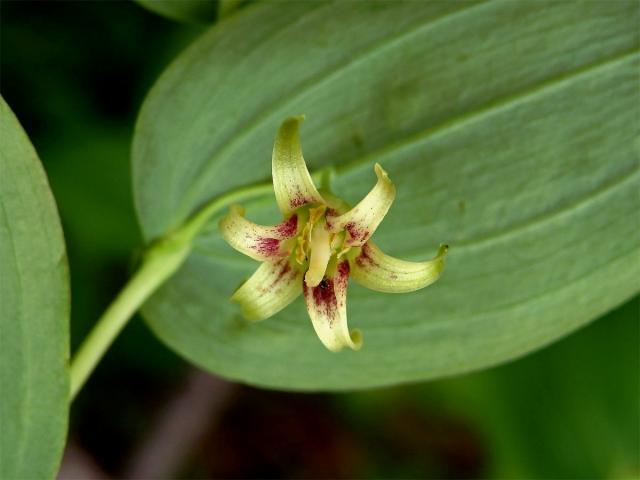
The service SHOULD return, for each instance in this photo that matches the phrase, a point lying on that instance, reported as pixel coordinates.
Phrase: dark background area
(75, 73)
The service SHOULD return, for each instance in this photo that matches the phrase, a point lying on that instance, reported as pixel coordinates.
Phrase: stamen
(320, 255)
(301, 254)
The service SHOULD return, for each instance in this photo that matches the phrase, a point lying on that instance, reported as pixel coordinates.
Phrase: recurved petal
(257, 241)
(327, 306)
(272, 287)
(291, 180)
(363, 219)
(378, 271)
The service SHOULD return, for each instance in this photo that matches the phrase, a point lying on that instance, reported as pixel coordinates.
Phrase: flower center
(319, 247)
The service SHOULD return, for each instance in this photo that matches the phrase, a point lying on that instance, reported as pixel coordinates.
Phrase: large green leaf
(34, 312)
(509, 128)
(569, 411)
(190, 11)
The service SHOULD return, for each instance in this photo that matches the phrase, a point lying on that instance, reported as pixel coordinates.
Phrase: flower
(320, 245)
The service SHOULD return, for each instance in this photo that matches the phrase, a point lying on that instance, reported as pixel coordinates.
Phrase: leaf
(567, 411)
(189, 11)
(584, 420)
(509, 128)
(34, 312)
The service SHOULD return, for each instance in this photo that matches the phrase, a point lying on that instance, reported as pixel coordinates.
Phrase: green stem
(162, 260)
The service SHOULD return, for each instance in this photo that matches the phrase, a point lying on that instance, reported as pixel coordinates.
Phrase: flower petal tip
(245, 310)
(292, 183)
(378, 271)
(381, 172)
(354, 342)
(443, 251)
(237, 208)
(356, 339)
(362, 220)
(292, 123)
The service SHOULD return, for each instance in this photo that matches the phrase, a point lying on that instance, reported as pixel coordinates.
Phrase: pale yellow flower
(320, 245)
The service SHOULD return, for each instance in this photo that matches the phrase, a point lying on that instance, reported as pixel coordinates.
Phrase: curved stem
(162, 260)
(152, 273)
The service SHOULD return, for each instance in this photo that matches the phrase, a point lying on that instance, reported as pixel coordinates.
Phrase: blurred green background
(76, 73)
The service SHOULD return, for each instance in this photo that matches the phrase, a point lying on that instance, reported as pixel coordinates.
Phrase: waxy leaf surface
(189, 11)
(510, 130)
(34, 312)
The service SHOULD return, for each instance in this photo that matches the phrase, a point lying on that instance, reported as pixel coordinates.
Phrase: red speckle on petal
(343, 272)
(324, 296)
(289, 227)
(298, 199)
(356, 234)
(364, 259)
(286, 268)
(268, 246)
(285, 271)
(330, 213)
(298, 202)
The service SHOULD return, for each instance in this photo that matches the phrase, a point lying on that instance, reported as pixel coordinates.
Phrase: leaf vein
(211, 166)
(487, 110)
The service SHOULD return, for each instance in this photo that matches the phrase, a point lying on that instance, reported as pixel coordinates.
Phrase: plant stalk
(163, 258)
